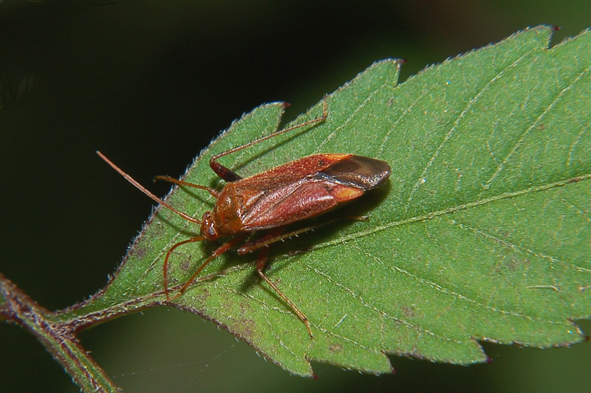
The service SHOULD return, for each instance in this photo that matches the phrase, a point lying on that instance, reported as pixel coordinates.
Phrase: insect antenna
(145, 190)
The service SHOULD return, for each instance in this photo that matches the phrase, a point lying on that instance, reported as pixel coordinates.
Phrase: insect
(271, 200)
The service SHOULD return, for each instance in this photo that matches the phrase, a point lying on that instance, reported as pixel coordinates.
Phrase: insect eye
(208, 227)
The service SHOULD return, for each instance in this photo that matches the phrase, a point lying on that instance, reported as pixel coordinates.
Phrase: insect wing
(292, 172)
(295, 202)
(308, 187)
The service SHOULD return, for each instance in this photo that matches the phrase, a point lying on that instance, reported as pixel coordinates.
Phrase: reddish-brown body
(285, 194)
(272, 200)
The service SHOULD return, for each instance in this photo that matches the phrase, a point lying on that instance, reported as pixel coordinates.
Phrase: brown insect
(271, 200)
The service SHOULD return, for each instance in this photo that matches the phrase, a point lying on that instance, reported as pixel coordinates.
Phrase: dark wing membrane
(358, 171)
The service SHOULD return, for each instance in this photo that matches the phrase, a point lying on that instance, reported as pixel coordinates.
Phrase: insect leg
(261, 262)
(213, 192)
(219, 251)
(274, 237)
(168, 254)
(230, 176)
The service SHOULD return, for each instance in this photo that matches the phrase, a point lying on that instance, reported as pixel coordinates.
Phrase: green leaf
(483, 232)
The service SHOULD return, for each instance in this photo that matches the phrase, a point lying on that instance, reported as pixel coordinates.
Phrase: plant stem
(57, 337)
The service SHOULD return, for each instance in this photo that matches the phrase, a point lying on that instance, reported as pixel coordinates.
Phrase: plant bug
(271, 200)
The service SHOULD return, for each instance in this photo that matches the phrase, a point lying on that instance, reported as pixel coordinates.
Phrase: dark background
(150, 83)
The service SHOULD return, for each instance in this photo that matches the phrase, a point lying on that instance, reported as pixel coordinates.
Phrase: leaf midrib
(453, 209)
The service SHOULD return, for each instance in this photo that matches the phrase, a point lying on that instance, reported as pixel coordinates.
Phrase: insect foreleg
(219, 251)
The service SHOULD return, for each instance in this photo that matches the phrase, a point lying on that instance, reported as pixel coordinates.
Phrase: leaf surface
(482, 233)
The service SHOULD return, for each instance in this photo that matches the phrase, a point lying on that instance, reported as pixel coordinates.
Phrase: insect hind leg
(276, 236)
(230, 176)
(261, 263)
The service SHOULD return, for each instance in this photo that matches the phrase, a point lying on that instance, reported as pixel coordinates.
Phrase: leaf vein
(457, 295)
(526, 133)
(584, 129)
(362, 302)
(453, 209)
(455, 125)
(522, 249)
(403, 115)
(351, 116)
